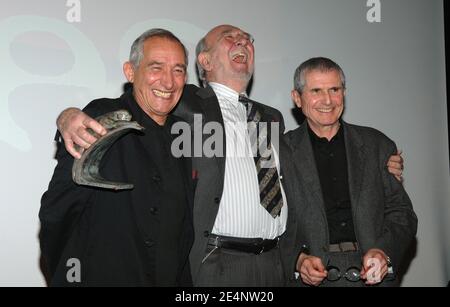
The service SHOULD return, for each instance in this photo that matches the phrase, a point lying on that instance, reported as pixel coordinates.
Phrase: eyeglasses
(236, 36)
(352, 274)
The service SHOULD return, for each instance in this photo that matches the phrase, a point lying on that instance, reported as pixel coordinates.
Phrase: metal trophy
(85, 171)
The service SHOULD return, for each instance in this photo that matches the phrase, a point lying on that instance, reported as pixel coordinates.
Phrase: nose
(167, 79)
(241, 40)
(327, 98)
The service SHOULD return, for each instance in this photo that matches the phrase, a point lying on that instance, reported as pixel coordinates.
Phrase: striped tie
(269, 182)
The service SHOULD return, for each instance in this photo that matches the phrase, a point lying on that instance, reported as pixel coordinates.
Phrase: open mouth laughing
(239, 57)
(162, 94)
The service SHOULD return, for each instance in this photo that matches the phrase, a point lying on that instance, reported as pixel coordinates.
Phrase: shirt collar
(226, 93)
(317, 139)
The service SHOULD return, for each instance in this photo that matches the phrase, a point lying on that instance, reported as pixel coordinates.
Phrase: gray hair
(137, 49)
(201, 47)
(321, 64)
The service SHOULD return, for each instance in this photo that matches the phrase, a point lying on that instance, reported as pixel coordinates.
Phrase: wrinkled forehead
(164, 45)
(321, 74)
(221, 30)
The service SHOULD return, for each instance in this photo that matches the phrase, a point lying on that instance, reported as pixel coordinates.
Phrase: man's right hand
(73, 124)
(312, 270)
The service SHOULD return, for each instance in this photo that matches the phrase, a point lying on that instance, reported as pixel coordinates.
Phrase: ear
(297, 98)
(128, 71)
(204, 60)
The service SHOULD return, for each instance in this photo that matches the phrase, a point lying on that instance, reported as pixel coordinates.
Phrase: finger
(71, 149)
(318, 265)
(94, 125)
(80, 142)
(312, 272)
(317, 284)
(379, 257)
(372, 281)
(395, 164)
(395, 167)
(86, 136)
(363, 273)
(317, 280)
(376, 275)
(402, 160)
(306, 272)
(306, 279)
(317, 274)
(384, 271)
(395, 171)
(397, 157)
(383, 261)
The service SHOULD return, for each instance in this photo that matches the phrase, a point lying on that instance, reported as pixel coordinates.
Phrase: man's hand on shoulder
(395, 165)
(72, 123)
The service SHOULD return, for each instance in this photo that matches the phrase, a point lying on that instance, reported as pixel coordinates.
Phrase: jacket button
(154, 211)
(206, 234)
(149, 243)
(217, 200)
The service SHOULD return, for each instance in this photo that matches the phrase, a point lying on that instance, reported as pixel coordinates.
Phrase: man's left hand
(375, 266)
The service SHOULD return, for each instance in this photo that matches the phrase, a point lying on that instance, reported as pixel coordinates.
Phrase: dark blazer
(210, 172)
(382, 211)
(115, 235)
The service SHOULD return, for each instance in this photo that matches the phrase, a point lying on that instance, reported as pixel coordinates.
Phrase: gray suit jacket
(209, 173)
(382, 211)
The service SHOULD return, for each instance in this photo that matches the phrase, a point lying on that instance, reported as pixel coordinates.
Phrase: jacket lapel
(304, 160)
(212, 113)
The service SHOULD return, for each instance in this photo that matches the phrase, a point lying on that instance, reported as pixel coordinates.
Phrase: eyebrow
(184, 66)
(154, 63)
(331, 88)
(231, 31)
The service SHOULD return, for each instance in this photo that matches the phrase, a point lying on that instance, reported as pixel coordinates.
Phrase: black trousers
(230, 268)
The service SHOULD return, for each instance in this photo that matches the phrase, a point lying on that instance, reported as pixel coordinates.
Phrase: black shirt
(331, 162)
(172, 210)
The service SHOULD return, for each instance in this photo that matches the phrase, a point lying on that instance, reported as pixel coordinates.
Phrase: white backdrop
(55, 54)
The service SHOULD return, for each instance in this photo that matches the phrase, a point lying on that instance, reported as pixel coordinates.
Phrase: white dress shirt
(240, 213)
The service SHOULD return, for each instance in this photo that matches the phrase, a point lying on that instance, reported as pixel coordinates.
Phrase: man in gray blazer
(244, 235)
(356, 220)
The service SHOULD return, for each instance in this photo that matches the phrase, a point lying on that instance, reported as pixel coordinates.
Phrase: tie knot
(244, 99)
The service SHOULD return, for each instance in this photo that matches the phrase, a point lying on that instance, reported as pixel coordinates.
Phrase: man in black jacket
(138, 237)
